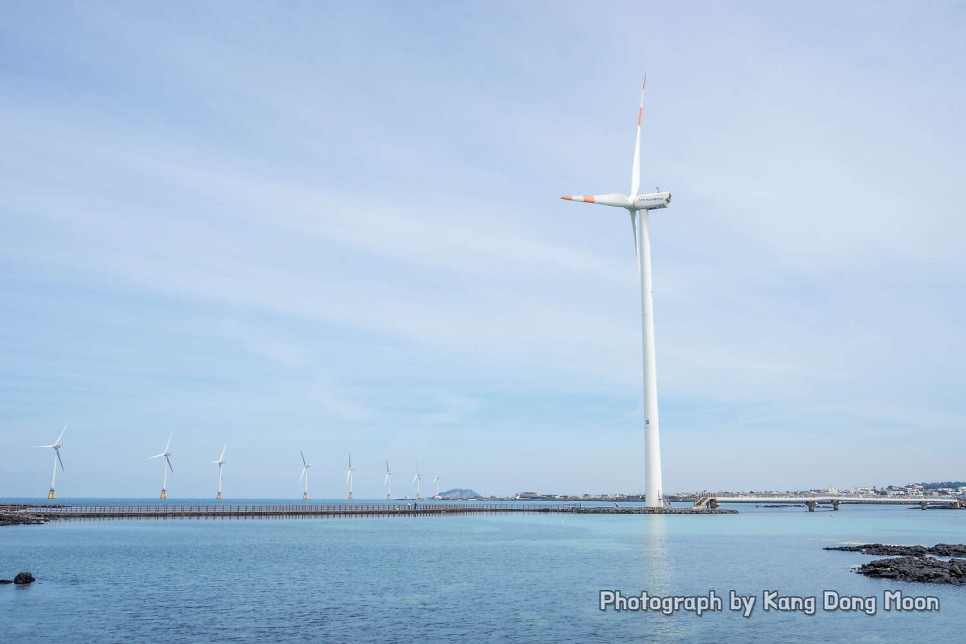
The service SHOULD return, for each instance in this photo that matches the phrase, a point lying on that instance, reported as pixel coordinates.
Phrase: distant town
(954, 489)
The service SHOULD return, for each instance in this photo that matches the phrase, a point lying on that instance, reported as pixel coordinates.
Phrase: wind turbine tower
(348, 477)
(416, 480)
(639, 206)
(305, 475)
(165, 466)
(220, 462)
(56, 445)
(436, 485)
(388, 483)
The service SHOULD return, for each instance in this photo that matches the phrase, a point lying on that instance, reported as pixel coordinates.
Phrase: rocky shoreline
(926, 570)
(912, 563)
(887, 550)
(15, 518)
(640, 510)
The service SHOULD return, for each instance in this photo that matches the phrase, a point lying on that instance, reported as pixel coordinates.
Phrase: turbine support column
(164, 494)
(654, 492)
(51, 495)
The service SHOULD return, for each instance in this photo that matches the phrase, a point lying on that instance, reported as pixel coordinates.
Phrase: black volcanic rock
(926, 570)
(23, 578)
(885, 550)
(6, 581)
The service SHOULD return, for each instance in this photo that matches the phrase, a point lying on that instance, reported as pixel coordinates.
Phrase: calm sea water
(474, 578)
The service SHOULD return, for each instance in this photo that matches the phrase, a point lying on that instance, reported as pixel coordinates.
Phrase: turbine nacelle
(650, 201)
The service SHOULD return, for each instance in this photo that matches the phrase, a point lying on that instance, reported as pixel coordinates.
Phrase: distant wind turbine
(388, 483)
(417, 479)
(220, 462)
(639, 206)
(305, 475)
(348, 476)
(56, 445)
(165, 466)
(436, 484)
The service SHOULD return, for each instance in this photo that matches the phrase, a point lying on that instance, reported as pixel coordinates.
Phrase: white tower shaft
(53, 475)
(652, 438)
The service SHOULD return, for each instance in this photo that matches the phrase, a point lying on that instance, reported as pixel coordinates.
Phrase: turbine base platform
(51, 495)
(350, 496)
(305, 496)
(218, 497)
(164, 493)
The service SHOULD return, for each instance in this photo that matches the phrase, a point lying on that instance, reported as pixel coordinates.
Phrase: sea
(475, 578)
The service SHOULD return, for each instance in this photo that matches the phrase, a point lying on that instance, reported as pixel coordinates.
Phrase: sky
(336, 228)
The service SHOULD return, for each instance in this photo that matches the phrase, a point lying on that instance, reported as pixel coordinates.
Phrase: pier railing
(226, 510)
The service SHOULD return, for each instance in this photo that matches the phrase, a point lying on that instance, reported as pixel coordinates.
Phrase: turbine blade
(168, 448)
(613, 199)
(387, 467)
(348, 475)
(35, 446)
(155, 456)
(350, 461)
(57, 451)
(169, 462)
(62, 432)
(636, 167)
(221, 459)
(303, 458)
(302, 475)
(386, 480)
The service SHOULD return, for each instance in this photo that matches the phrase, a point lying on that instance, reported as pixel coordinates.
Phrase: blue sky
(336, 227)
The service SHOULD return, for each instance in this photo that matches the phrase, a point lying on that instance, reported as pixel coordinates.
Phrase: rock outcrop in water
(926, 570)
(886, 550)
(24, 578)
(15, 518)
(911, 563)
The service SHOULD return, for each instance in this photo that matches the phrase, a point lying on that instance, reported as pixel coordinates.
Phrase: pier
(49, 512)
(812, 502)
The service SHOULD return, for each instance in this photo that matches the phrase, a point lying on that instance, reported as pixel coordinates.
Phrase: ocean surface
(467, 578)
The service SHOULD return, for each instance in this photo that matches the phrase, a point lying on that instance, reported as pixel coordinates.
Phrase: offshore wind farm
(329, 236)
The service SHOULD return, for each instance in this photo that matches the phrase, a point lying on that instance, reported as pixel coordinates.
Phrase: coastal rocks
(885, 550)
(925, 570)
(15, 518)
(22, 579)
(643, 510)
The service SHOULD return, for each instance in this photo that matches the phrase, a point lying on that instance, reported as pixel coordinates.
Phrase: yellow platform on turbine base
(350, 496)
(305, 496)
(51, 495)
(218, 497)
(164, 493)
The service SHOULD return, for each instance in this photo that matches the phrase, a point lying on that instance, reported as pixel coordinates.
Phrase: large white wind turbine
(56, 445)
(165, 466)
(348, 476)
(220, 462)
(417, 479)
(305, 475)
(639, 207)
(388, 483)
(436, 485)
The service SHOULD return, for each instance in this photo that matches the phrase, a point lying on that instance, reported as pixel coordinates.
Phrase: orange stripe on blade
(640, 112)
(589, 198)
(568, 198)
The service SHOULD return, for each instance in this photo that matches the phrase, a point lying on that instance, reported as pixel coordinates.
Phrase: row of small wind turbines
(166, 466)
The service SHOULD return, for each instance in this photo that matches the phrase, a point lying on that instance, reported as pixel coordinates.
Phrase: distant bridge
(812, 502)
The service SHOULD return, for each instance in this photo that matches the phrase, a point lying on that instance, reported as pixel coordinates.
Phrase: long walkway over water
(303, 510)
